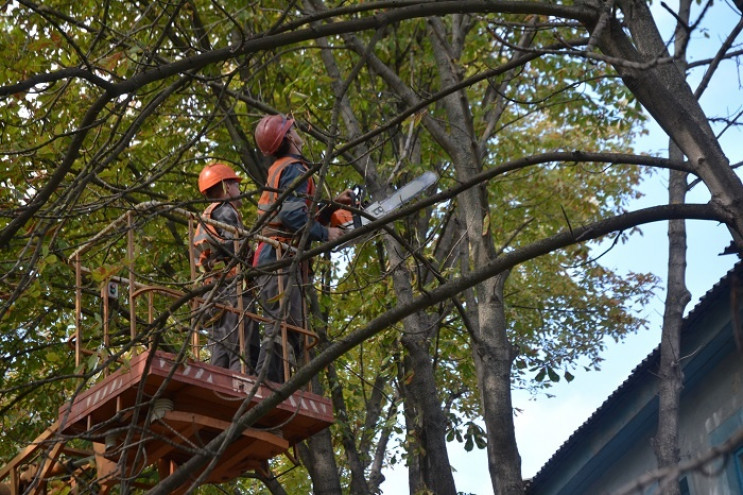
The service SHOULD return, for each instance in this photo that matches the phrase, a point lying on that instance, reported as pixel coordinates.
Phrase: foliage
(115, 108)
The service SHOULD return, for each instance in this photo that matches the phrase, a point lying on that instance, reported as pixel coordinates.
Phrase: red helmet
(214, 173)
(270, 132)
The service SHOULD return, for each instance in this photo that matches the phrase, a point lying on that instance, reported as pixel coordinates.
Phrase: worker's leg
(280, 298)
(252, 337)
(217, 345)
(268, 291)
(295, 315)
(224, 337)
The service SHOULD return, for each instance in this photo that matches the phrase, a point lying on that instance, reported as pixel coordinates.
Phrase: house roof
(638, 376)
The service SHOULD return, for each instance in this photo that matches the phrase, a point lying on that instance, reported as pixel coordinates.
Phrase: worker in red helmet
(214, 253)
(281, 294)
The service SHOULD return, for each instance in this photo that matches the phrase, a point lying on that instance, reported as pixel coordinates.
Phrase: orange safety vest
(203, 242)
(274, 228)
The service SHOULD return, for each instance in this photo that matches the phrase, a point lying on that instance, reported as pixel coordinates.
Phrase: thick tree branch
(419, 303)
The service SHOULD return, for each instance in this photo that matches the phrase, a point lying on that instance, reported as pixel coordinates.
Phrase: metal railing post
(193, 303)
(78, 309)
(130, 255)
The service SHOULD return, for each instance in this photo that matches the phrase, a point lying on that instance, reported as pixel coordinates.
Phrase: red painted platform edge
(194, 373)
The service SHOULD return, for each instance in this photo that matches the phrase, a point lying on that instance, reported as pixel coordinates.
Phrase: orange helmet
(270, 132)
(214, 173)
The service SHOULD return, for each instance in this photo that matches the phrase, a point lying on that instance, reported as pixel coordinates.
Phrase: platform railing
(137, 290)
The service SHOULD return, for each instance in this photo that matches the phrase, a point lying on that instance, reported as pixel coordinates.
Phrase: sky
(543, 424)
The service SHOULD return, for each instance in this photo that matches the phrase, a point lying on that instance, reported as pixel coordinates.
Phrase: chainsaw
(349, 220)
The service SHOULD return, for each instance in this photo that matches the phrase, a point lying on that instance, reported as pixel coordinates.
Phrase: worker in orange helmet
(214, 253)
(281, 294)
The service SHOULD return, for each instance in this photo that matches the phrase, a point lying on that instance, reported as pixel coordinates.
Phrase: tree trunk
(272, 483)
(421, 394)
(323, 457)
(492, 350)
(648, 71)
(493, 357)
(358, 481)
(669, 374)
(677, 297)
(416, 481)
(318, 457)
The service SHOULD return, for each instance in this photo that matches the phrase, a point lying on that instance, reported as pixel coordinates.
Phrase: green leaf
(553, 375)
(469, 444)
(540, 376)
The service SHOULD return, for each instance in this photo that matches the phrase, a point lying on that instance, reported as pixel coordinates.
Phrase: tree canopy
(526, 111)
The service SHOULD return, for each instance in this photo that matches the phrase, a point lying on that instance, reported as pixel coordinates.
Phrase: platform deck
(204, 399)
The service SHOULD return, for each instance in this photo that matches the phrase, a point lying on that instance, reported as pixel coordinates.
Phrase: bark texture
(670, 375)
(642, 60)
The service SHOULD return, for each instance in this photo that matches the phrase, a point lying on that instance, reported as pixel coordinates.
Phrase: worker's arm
(224, 245)
(325, 209)
(294, 213)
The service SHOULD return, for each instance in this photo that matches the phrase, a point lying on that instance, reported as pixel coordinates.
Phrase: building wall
(632, 463)
(615, 447)
(711, 411)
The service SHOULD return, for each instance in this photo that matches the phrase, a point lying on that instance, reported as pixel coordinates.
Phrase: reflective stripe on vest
(274, 228)
(204, 239)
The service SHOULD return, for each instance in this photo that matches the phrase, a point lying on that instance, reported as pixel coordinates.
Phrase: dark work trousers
(224, 337)
(273, 300)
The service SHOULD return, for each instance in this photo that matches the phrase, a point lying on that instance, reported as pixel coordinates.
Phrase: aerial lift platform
(154, 411)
